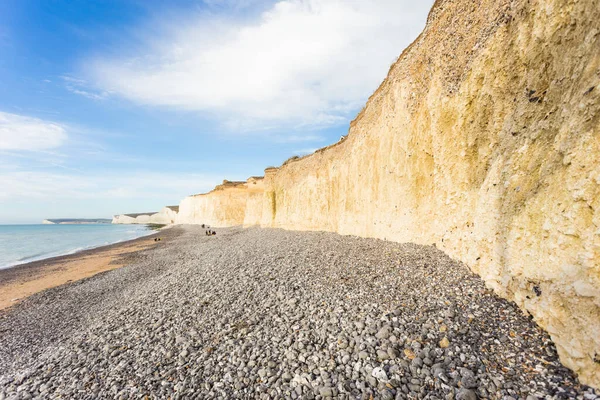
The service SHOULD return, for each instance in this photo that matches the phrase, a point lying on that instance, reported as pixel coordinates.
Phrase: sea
(21, 244)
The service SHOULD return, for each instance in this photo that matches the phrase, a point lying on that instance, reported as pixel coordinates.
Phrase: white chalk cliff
(165, 216)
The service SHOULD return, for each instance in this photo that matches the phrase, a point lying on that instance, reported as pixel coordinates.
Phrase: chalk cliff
(224, 206)
(165, 216)
(254, 201)
(484, 139)
(76, 221)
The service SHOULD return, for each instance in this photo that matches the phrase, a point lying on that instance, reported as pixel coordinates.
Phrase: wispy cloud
(23, 133)
(299, 64)
(303, 152)
(296, 138)
(232, 4)
(30, 196)
(89, 95)
(51, 186)
(80, 87)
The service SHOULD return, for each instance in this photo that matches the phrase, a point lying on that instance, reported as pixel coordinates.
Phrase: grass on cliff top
(155, 227)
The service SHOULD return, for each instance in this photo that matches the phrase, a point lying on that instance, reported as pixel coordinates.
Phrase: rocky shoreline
(265, 313)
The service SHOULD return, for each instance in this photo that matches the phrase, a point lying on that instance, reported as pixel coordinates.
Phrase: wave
(32, 256)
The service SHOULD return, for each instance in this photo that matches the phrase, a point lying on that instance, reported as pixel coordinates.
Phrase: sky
(121, 106)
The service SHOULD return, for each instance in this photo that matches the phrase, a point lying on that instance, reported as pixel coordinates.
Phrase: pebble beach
(273, 314)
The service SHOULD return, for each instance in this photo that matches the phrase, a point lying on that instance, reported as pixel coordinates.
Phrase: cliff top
(135, 215)
(230, 184)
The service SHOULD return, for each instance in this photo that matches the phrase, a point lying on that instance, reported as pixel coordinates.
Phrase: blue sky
(109, 107)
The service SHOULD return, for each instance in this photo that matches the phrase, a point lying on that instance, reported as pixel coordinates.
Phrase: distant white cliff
(76, 221)
(165, 216)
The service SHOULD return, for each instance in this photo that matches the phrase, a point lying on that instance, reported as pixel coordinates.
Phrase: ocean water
(20, 244)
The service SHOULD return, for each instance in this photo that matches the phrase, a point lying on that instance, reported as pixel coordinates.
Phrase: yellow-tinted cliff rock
(484, 140)
(224, 206)
(254, 201)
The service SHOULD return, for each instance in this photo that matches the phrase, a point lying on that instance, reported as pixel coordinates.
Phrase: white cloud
(50, 186)
(19, 132)
(89, 95)
(304, 152)
(294, 138)
(33, 195)
(301, 63)
(232, 4)
(77, 86)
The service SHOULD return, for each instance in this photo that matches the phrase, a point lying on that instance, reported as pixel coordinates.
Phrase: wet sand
(20, 282)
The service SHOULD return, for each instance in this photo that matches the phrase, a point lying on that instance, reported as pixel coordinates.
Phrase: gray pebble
(466, 394)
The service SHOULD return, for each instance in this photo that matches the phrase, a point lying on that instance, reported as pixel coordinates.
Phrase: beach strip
(21, 281)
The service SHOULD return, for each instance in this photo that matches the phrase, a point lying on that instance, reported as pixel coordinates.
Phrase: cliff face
(484, 140)
(123, 219)
(254, 201)
(165, 216)
(224, 206)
